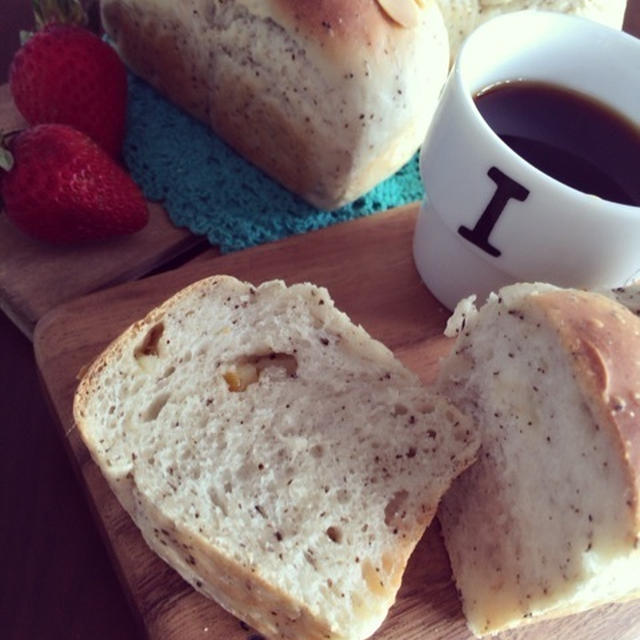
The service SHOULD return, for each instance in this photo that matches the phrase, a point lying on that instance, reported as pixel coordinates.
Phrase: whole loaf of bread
(328, 97)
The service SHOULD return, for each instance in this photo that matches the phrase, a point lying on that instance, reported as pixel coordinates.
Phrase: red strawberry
(63, 188)
(66, 74)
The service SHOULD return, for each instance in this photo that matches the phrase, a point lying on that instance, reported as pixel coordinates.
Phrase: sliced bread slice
(273, 453)
(547, 521)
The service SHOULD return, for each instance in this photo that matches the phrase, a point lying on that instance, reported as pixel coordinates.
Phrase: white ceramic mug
(534, 228)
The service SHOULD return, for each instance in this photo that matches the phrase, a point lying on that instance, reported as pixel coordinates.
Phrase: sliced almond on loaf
(273, 453)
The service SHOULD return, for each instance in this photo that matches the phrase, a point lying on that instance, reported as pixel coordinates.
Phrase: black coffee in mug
(568, 135)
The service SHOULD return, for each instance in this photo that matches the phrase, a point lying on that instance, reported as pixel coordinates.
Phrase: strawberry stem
(60, 12)
(6, 159)
(25, 35)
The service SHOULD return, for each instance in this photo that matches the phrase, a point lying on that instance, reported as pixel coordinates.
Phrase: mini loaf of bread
(328, 97)
(547, 522)
(463, 16)
(279, 458)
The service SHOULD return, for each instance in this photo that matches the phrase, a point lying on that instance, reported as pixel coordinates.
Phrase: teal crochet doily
(207, 188)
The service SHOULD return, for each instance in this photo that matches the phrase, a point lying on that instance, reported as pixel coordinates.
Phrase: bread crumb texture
(546, 522)
(284, 462)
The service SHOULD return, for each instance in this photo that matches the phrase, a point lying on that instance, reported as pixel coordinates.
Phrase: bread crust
(603, 339)
(327, 97)
(338, 27)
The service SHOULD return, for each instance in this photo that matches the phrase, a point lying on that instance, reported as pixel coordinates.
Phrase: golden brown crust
(334, 23)
(603, 338)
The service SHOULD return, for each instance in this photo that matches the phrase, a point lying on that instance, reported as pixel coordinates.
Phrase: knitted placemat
(209, 189)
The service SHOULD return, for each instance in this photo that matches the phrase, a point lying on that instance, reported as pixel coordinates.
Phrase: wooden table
(56, 579)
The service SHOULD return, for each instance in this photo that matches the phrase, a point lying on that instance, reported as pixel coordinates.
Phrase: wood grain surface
(368, 268)
(35, 277)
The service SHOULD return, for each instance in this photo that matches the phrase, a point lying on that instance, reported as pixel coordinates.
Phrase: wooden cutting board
(368, 268)
(35, 278)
